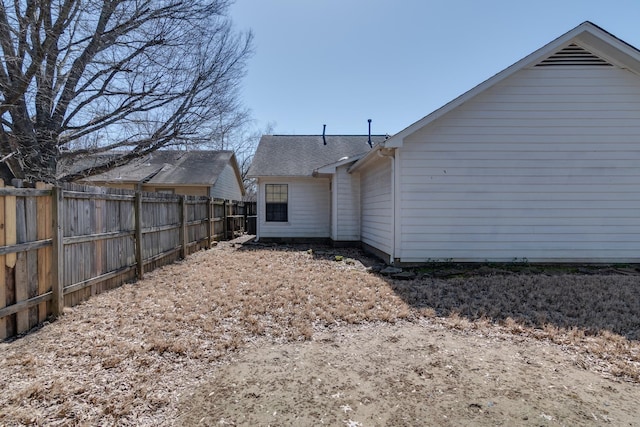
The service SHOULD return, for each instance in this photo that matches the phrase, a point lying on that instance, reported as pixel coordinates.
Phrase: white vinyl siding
(308, 209)
(376, 221)
(347, 188)
(544, 166)
(227, 185)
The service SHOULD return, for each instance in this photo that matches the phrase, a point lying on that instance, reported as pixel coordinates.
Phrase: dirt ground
(258, 335)
(410, 375)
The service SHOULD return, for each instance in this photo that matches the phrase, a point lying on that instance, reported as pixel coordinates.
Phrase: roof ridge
(611, 34)
(572, 36)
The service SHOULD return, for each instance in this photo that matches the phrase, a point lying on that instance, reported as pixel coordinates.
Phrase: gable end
(573, 55)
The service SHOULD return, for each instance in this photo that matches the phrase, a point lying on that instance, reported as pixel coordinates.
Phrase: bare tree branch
(136, 75)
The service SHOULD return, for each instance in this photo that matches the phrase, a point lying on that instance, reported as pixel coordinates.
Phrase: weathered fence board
(58, 260)
(43, 214)
(31, 222)
(20, 271)
(61, 245)
(10, 259)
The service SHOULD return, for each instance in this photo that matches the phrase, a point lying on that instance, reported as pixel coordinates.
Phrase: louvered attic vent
(573, 55)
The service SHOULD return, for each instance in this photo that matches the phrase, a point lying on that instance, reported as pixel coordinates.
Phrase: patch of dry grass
(596, 314)
(126, 356)
(204, 307)
(592, 303)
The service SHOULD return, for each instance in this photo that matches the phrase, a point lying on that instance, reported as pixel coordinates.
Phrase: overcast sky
(341, 62)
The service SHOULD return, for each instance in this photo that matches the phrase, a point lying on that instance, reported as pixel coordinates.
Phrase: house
(304, 190)
(539, 163)
(194, 173)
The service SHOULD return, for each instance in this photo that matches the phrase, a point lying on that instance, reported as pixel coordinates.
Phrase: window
(276, 198)
(165, 190)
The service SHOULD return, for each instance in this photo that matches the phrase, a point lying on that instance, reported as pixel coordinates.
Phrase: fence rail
(61, 245)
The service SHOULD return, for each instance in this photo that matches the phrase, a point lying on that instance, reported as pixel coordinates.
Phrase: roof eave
(371, 154)
(174, 184)
(310, 175)
(331, 168)
(236, 168)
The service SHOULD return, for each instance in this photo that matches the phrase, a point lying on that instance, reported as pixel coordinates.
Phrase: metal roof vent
(573, 55)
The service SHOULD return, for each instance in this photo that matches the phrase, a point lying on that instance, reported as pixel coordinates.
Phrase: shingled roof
(169, 167)
(300, 155)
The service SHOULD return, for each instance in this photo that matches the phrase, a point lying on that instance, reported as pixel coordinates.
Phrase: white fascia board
(236, 168)
(612, 49)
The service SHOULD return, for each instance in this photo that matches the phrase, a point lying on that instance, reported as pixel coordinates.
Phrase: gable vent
(573, 55)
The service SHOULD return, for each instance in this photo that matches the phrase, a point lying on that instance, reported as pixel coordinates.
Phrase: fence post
(57, 276)
(138, 224)
(244, 217)
(225, 230)
(209, 223)
(232, 224)
(183, 227)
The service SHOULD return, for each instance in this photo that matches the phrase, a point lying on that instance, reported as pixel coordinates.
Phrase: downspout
(391, 155)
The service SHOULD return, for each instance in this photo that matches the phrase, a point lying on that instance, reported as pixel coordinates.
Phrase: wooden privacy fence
(61, 245)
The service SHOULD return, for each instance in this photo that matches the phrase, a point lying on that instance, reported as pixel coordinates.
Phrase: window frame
(276, 211)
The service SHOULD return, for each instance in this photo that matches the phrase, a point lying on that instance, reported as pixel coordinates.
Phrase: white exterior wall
(545, 166)
(309, 210)
(347, 205)
(227, 186)
(377, 205)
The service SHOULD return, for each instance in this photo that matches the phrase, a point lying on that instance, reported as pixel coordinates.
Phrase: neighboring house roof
(588, 36)
(194, 167)
(166, 167)
(136, 171)
(301, 155)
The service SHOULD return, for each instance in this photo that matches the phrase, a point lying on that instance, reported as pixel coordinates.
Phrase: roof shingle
(167, 167)
(300, 155)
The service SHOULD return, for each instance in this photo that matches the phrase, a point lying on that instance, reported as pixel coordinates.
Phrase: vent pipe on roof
(370, 144)
(324, 127)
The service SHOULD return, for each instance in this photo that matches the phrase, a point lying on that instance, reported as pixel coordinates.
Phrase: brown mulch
(138, 354)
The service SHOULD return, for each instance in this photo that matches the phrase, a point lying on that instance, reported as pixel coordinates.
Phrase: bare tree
(82, 77)
(243, 141)
(242, 137)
